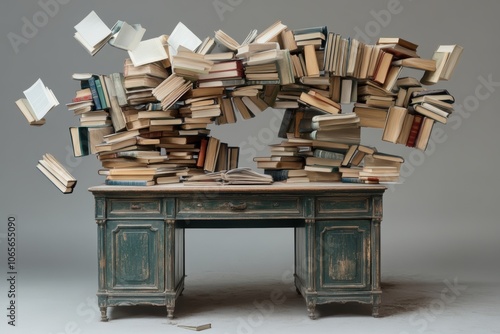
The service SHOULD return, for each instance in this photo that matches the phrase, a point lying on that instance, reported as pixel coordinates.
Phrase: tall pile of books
(150, 122)
(162, 138)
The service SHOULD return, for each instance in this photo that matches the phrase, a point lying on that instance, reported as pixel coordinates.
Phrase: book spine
(100, 93)
(235, 157)
(372, 180)
(95, 95)
(286, 122)
(277, 175)
(307, 125)
(154, 107)
(263, 82)
(82, 99)
(84, 84)
(83, 134)
(117, 79)
(311, 61)
(203, 151)
(127, 182)
(415, 129)
(351, 180)
(318, 153)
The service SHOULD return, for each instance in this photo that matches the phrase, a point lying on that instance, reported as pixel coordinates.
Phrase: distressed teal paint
(135, 255)
(141, 238)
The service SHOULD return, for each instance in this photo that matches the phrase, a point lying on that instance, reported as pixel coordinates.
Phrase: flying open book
(38, 101)
(126, 36)
(92, 33)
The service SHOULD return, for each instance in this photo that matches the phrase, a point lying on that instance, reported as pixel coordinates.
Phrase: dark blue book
(140, 183)
(95, 94)
(100, 93)
(84, 139)
(277, 174)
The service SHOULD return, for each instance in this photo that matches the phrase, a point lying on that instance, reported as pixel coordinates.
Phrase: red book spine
(415, 129)
(82, 98)
(203, 152)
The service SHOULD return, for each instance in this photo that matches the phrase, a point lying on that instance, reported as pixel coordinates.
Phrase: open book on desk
(243, 175)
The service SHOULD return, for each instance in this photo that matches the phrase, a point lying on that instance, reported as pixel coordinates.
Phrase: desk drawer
(345, 206)
(150, 207)
(243, 207)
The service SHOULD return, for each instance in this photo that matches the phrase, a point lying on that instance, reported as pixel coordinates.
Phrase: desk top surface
(277, 187)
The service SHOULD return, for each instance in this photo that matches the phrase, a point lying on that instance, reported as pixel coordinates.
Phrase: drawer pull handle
(135, 207)
(238, 207)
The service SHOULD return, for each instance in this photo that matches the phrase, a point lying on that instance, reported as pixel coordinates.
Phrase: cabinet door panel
(135, 255)
(344, 254)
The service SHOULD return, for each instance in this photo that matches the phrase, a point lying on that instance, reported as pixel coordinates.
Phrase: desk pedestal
(141, 237)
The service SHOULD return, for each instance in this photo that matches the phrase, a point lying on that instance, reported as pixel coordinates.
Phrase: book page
(148, 51)
(126, 36)
(250, 37)
(40, 98)
(92, 29)
(182, 36)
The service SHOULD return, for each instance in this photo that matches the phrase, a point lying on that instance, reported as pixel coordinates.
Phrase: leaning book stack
(151, 123)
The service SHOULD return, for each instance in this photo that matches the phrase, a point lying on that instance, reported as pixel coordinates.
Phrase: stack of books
(153, 118)
(380, 167)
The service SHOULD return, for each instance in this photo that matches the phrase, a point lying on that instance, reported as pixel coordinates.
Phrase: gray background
(441, 223)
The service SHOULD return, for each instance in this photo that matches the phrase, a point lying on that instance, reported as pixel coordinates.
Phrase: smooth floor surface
(259, 303)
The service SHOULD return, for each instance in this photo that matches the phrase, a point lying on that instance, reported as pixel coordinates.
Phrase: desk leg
(311, 308)
(104, 315)
(376, 263)
(170, 267)
(376, 308)
(170, 308)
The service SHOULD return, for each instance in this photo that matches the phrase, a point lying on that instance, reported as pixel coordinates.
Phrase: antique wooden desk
(141, 237)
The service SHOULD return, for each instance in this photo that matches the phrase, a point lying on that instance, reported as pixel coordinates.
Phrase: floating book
(56, 173)
(92, 33)
(38, 101)
(148, 51)
(126, 36)
(182, 36)
(228, 43)
(446, 57)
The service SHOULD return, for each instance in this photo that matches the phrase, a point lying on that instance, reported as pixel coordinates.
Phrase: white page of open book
(128, 37)
(40, 98)
(93, 29)
(182, 36)
(148, 51)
